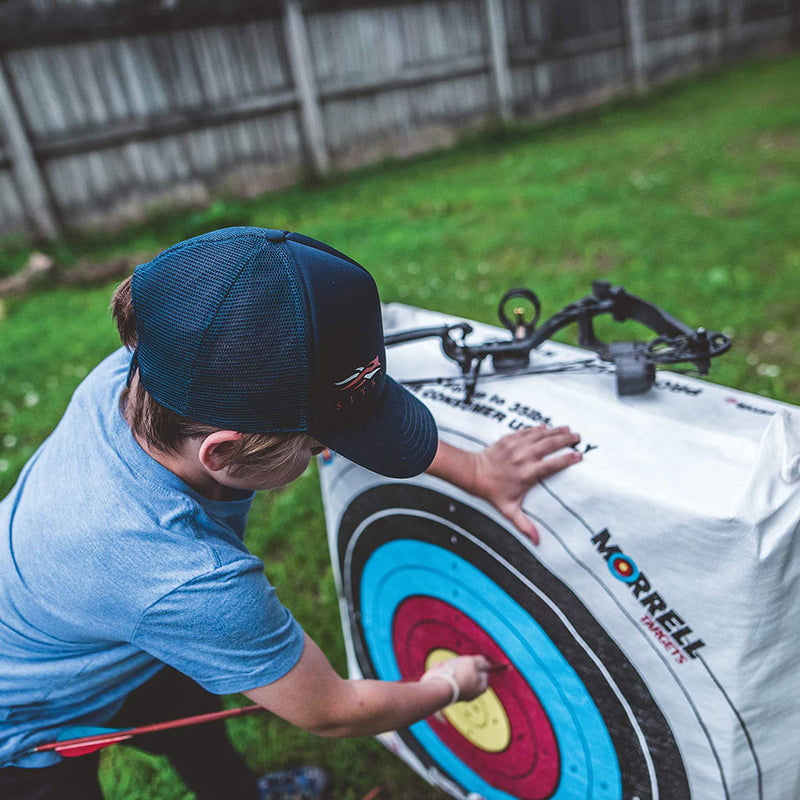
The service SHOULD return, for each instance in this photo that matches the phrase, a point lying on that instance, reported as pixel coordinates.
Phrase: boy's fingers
(538, 433)
(532, 433)
(550, 466)
(555, 441)
(482, 663)
(524, 525)
(534, 443)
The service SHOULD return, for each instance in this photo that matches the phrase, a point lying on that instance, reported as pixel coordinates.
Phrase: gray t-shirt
(110, 567)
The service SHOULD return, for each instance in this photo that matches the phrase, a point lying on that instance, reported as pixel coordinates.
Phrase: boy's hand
(506, 470)
(503, 472)
(471, 674)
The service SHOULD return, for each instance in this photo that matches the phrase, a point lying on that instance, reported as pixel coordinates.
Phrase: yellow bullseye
(483, 721)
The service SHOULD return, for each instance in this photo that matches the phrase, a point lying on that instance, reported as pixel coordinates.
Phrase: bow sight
(635, 361)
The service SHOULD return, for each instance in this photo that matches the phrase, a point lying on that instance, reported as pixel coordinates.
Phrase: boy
(121, 544)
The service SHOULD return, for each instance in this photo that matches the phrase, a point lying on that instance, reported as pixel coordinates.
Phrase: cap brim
(398, 438)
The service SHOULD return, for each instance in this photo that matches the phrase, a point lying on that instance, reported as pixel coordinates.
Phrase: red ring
(529, 767)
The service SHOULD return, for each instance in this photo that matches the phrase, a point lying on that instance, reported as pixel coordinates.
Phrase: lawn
(689, 198)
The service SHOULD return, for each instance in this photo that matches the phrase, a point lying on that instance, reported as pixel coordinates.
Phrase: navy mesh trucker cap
(267, 331)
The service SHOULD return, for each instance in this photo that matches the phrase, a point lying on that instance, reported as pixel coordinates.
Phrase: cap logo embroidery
(360, 375)
(356, 384)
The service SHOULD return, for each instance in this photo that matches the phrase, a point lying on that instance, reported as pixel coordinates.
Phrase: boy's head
(271, 334)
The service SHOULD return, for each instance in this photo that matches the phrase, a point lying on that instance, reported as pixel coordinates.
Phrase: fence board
(12, 213)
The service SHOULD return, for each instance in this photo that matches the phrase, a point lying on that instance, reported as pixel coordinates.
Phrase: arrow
(80, 741)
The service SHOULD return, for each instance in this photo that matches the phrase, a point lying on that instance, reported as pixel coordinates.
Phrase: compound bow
(635, 361)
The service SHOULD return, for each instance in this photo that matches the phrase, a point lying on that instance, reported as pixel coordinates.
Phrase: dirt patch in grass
(784, 141)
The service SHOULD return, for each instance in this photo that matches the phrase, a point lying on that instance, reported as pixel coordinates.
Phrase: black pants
(201, 754)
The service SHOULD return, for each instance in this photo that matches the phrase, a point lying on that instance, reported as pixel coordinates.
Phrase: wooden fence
(108, 107)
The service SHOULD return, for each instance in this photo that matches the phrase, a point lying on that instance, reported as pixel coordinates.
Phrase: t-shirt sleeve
(225, 629)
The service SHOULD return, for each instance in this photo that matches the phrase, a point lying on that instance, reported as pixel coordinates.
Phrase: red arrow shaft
(112, 736)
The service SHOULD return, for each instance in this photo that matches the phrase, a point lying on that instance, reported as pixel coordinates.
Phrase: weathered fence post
(716, 32)
(796, 25)
(498, 41)
(733, 27)
(305, 84)
(31, 185)
(541, 68)
(634, 21)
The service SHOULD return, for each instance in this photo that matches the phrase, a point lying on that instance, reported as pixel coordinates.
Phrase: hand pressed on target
(506, 470)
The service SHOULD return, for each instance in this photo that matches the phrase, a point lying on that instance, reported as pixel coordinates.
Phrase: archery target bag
(652, 636)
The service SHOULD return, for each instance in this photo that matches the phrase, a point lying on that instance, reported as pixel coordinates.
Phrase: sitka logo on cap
(360, 376)
(357, 383)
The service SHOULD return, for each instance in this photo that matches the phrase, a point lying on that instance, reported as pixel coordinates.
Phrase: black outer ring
(668, 764)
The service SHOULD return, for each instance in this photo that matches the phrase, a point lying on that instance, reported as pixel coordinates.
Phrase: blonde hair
(251, 455)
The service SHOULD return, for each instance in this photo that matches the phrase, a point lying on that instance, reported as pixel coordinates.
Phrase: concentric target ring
(400, 542)
(505, 735)
(405, 568)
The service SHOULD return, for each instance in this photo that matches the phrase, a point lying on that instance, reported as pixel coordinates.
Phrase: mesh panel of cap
(257, 349)
(226, 311)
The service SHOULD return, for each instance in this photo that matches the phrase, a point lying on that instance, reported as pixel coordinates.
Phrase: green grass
(690, 198)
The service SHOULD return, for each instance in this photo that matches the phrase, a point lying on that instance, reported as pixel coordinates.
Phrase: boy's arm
(503, 472)
(314, 697)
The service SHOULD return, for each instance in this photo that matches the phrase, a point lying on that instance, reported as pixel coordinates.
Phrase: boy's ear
(214, 449)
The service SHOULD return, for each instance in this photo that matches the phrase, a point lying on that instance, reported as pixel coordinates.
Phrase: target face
(426, 577)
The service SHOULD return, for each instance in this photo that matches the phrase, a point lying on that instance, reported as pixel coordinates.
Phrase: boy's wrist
(462, 468)
(447, 677)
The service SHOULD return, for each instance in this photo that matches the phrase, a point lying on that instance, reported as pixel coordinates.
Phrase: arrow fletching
(85, 745)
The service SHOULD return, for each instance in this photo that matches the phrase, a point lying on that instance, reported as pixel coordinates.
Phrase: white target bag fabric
(651, 638)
